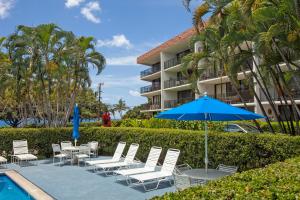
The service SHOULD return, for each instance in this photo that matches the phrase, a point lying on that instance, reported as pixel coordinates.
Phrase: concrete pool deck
(68, 182)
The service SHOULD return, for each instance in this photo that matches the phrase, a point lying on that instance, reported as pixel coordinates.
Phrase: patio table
(211, 174)
(72, 151)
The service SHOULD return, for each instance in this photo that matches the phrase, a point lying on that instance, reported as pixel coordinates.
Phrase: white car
(242, 128)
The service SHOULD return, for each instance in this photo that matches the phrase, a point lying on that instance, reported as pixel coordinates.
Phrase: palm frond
(200, 11)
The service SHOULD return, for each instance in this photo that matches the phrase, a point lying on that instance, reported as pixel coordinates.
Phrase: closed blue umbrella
(76, 119)
(208, 109)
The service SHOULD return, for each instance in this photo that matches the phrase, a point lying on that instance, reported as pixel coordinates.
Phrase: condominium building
(168, 88)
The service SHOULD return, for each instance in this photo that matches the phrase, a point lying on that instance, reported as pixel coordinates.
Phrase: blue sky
(123, 30)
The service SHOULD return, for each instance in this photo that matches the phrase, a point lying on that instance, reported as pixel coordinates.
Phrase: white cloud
(116, 41)
(73, 3)
(126, 60)
(134, 93)
(5, 7)
(88, 11)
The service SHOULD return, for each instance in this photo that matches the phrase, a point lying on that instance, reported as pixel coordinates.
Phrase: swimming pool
(10, 190)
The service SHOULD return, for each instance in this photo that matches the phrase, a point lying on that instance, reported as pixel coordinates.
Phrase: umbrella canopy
(76, 117)
(208, 109)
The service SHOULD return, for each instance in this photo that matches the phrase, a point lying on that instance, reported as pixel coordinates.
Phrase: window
(156, 100)
(185, 94)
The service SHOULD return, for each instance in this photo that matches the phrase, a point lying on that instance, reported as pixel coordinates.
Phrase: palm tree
(50, 66)
(120, 107)
(112, 110)
(271, 26)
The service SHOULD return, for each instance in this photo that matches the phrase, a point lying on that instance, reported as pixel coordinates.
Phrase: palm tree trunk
(263, 87)
(235, 87)
(281, 91)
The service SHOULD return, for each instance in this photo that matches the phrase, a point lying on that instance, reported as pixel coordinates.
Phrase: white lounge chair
(21, 152)
(149, 166)
(57, 153)
(116, 157)
(165, 173)
(3, 161)
(128, 161)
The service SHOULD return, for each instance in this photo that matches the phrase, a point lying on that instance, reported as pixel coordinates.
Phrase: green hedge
(244, 150)
(163, 123)
(186, 125)
(277, 181)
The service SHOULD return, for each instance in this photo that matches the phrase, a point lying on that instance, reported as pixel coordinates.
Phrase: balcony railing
(171, 63)
(149, 106)
(177, 102)
(175, 82)
(275, 97)
(150, 88)
(150, 71)
(212, 74)
(233, 98)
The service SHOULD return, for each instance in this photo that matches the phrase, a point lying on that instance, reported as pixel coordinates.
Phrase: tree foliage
(257, 36)
(135, 113)
(43, 69)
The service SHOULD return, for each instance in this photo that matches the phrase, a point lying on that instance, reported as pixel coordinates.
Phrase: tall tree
(120, 107)
(264, 34)
(48, 68)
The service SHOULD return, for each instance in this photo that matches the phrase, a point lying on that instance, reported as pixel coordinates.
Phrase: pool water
(9, 190)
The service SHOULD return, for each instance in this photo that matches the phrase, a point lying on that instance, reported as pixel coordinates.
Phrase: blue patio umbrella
(208, 109)
(76, 117)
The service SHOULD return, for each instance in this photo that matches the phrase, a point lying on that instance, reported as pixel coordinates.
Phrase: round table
(211, 174)
(72, 151)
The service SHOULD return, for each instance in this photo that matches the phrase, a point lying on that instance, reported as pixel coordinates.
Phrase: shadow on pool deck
(68, 182)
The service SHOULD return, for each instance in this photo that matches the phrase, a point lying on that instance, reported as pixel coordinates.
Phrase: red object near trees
(106, 121)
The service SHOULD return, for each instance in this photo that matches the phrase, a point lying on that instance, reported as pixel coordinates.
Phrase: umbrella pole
(75, 142)
(206, 156)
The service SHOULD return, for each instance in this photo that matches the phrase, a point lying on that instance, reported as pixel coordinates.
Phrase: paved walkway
(72, 182)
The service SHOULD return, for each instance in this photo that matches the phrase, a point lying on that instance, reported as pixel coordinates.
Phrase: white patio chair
(3, 161)
(182, 181)
(94, 148)
(116, 157)
(166, 172)
(128, 161)
(65, 144)
(227, 168)
(57, 153)
(84, 153)
(21, 152)
(149, 166)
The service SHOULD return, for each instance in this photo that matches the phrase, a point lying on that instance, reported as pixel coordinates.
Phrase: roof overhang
(177, 42)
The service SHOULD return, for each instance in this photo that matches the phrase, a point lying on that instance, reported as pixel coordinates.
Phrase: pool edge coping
(32, 189)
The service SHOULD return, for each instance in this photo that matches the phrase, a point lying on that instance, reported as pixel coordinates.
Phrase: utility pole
(99, 98)
(100, 91)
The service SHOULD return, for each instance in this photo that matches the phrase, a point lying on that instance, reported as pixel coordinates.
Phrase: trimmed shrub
(277, 181)
(244, 150)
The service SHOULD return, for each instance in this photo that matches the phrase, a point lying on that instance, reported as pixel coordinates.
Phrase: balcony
(150, 88)
(149, 71)
(212, 74)
(175, 82)
(233, 98)
(149, 106)
(171, 63)
(275, 97)
(215, 73)
(177, 102)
